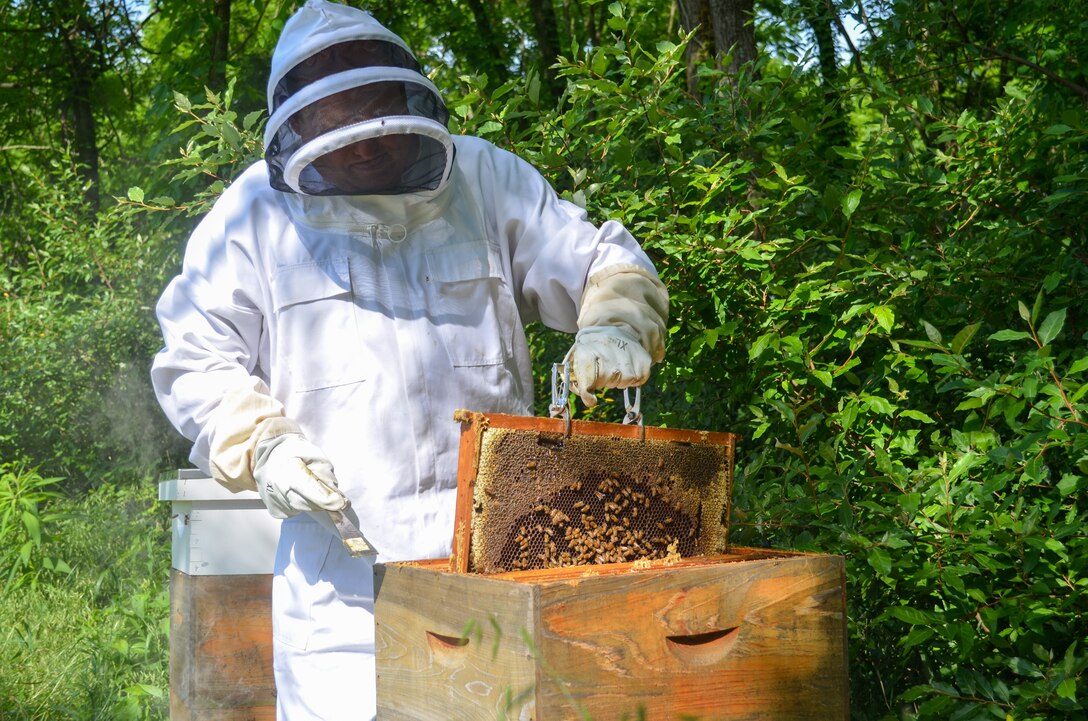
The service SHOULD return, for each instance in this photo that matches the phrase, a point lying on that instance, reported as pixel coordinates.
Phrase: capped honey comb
(535, 493)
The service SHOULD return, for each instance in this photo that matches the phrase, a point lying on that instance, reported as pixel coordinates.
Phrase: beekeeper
(344, 297)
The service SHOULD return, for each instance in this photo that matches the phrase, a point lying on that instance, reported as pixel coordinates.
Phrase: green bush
(91, 645)
(24, 516)
(78, 329)
(895, 328)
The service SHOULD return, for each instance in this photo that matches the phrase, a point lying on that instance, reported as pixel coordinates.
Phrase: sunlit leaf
(850, 202)
(1052, 326)
(885, 317)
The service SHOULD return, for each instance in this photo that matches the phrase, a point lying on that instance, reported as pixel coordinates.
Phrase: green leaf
(250, 120)
(1010, 335)
(533, 89)
(1052, 326)
(33, 527)
(600, 61)
(1023, 667)
(913, 616)
(878, 404)
(1078, 366)
(916, 636)
(1068, 689)
(964, 464)
(1052, 281)
(231, 135)
(761, 345)
(850, 202)
(1024, 312)
(932, 333)
(848, 415)
(885, 317)
(490, 126)
(1059, 129)
(917, 415)
(880, 560)
(971, 404)
(136, 194)
(183, 103)
(963, 338)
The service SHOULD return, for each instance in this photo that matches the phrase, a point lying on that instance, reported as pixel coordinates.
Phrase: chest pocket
(315, 330)
(469, 305)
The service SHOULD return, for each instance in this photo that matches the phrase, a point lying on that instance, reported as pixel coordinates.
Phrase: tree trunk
(722, 27)
(219, 41)
(78, 122)
(819, 18)
(695, 15)
(547, 41)
(85, 138)
(734, 32)
(495, 54)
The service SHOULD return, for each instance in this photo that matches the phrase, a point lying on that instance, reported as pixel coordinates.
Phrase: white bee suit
(367, 320)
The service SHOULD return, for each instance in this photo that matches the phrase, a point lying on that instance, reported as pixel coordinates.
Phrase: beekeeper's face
(367, 165)
(355, 118)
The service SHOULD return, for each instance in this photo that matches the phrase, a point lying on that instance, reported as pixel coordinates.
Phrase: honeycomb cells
(551, 501)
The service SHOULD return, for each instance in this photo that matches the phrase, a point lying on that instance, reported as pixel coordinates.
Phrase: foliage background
(875, 250)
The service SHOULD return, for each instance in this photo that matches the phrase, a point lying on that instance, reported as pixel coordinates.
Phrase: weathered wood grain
(452, 646)
(761, 639)
(723, 639)
(221, 648)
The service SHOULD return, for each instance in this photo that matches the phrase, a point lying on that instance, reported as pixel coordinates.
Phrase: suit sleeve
(567, 272)
(212, 324)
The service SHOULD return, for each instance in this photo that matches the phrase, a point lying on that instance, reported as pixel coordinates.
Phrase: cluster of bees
(611, 521)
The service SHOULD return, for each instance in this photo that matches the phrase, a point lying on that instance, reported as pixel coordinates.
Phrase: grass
(89, 641)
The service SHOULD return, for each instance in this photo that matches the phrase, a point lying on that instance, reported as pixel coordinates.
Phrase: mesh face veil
(350, 111)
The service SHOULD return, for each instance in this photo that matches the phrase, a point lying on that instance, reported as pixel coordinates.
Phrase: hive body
(591, 578)
(748, 635)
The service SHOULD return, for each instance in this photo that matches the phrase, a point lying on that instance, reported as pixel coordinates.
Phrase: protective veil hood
(351, 113)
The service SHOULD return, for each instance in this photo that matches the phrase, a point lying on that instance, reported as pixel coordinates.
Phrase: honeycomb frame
(539, 493)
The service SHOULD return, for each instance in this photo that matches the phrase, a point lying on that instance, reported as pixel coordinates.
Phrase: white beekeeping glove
(621, 331)
(293, 476)
(605, 357)
(255, 447)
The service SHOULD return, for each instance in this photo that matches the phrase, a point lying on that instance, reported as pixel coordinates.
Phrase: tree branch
(1050, 75)
(855, 53)
(1075, 87)
(864, 17)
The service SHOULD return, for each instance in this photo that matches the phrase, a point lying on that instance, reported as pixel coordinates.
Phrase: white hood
(351, 113)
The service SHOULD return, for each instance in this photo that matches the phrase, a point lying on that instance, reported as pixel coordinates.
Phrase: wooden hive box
(736, 634)
(222, 555)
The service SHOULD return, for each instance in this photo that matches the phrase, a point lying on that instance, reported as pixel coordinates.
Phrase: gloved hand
(293, 475)
(605, 357)
(622, 321)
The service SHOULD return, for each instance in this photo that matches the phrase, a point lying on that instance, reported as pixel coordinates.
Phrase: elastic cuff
(274, 427)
